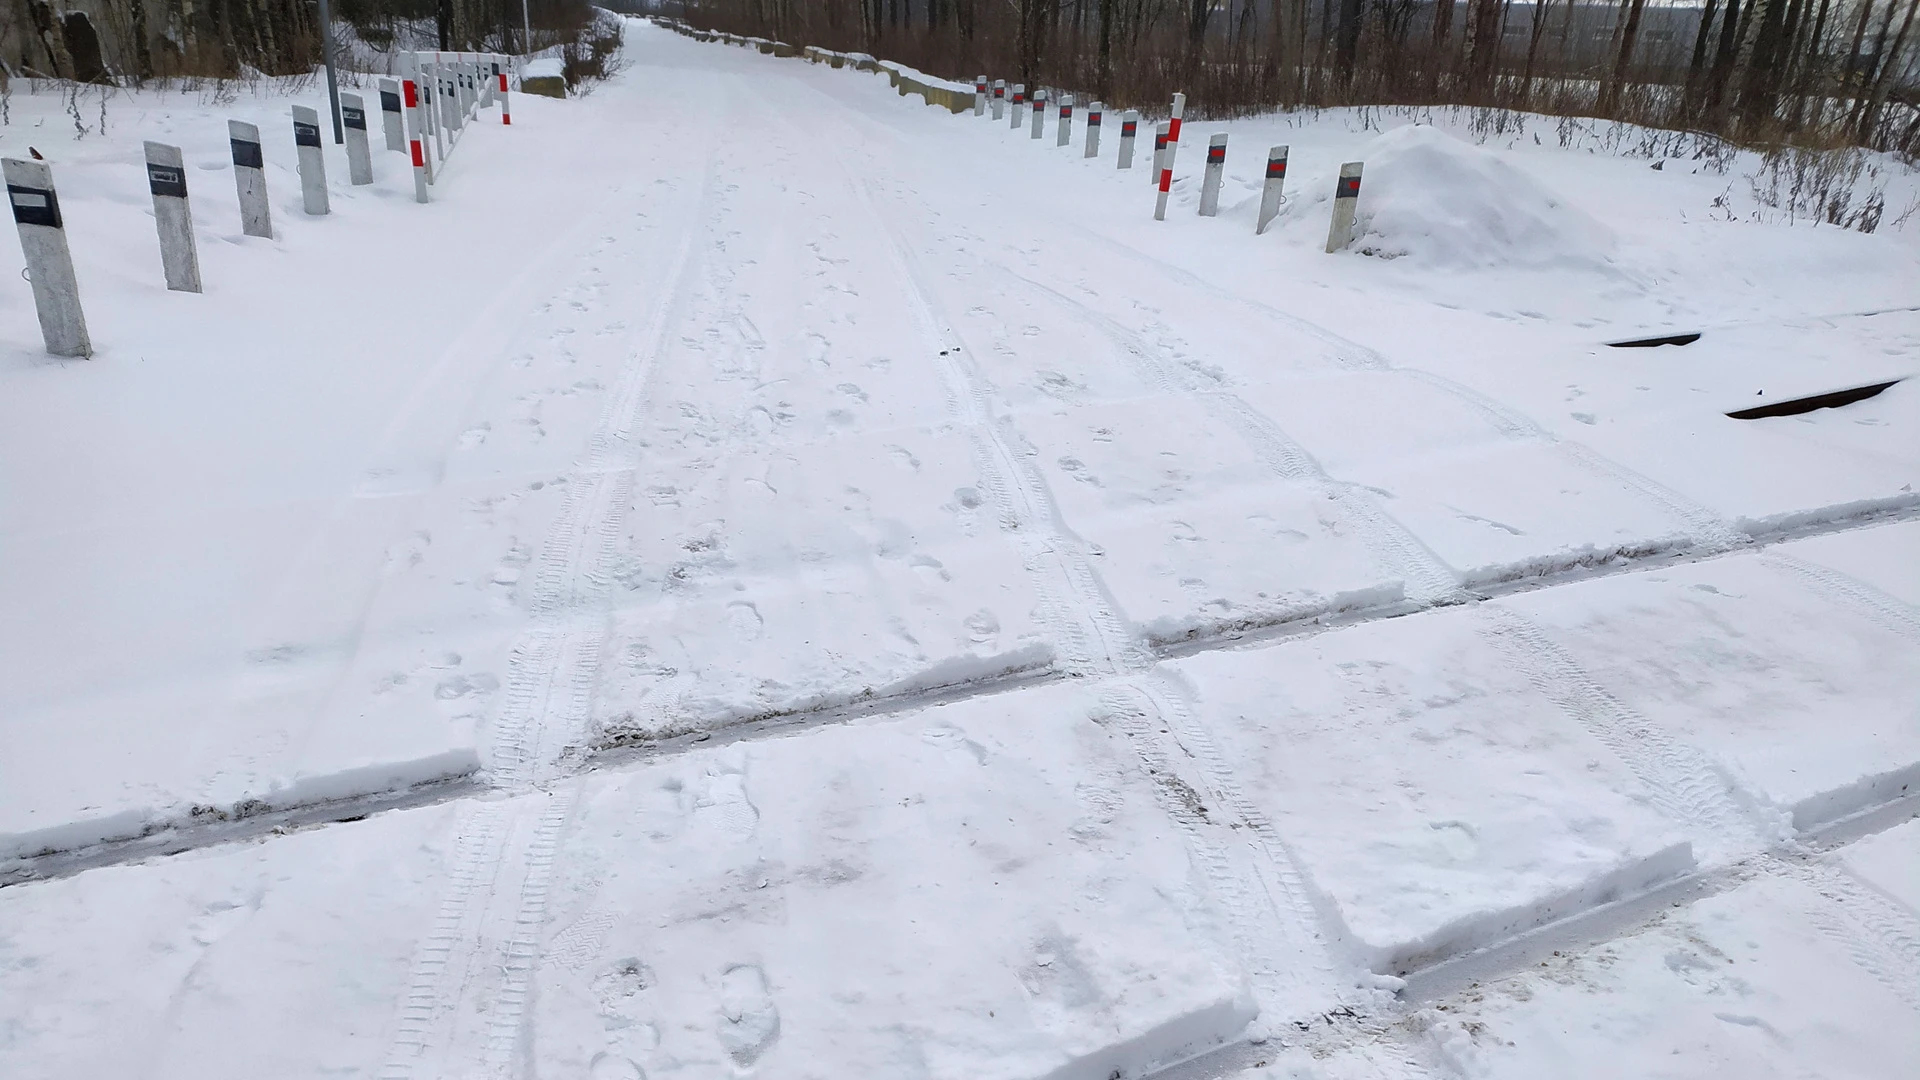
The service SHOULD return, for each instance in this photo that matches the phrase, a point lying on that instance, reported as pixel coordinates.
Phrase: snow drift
(1436, 199)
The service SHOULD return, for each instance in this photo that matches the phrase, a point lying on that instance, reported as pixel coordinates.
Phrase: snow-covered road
(803, 584)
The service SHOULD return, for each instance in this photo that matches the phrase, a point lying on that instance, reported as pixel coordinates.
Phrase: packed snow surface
(736, 585)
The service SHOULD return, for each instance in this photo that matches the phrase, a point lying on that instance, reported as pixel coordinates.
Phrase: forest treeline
(1760, 72)
(130, 41)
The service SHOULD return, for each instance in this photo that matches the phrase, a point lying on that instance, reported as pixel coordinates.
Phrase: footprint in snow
(749, 1022)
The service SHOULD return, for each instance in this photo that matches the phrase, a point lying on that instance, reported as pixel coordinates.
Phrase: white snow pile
(1444, 202)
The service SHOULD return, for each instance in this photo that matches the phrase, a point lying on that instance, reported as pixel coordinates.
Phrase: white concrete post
(999, 98)
(1270, 194)
(500, 80)
(43, 239)
(353, 114)
(1019, 104)
(1346, 199)
(167, 180)
(1210, 182)
(250, 179)
(1166, 162)
(1066, 120)
(484, 67)
(417, 144)
(1093, 129)
(1159, 151)
(313, 166)
(1039, 112)
(390, 123)
(1129, 127)
(980, 96)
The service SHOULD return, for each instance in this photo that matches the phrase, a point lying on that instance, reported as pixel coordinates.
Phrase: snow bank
(1438, 200)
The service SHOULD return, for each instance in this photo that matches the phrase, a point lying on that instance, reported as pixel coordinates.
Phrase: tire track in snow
(484, 946)
(1275, 925)
(1877, 933)
(1890, 613)
(1427, 578)
(1681, 781)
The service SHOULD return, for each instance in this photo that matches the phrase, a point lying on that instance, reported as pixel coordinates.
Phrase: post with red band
(415, 143)
(1270, 193)
(1066, 119)
(999, 98)
(1019, 104)
(1129, 127)
(980, 96)
(500, 76)
(1346, 199)
(1039, 111)
(1093, 129)
(1210, 182)
(1166, 157)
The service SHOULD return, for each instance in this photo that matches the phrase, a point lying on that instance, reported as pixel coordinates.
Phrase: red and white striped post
(1129, 128)
(1166, 162)
(1159, 151)
(1270, 193)
(415, 143)
(1019, 104)
(1066, 119)
(1346, 199)
(1093, 129)
(980, 95)
(999, 98)
(500, 76)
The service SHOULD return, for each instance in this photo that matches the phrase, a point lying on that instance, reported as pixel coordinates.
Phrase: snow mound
(1441, 201)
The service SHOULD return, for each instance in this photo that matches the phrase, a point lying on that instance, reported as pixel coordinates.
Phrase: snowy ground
(766, 577)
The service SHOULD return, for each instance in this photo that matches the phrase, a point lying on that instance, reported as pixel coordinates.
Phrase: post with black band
(250, 179)
(1129, 127)
(390, 123)
(43, 239)
(313, 166)
(353, 113)
(1094, 112)
(167, 180)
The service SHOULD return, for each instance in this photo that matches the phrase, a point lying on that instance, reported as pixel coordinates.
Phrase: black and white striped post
(353, 114)
(1346, 199)
(390, 122)
(173, 217)
(1166, 162)
(43, 240)
(416, 143)
(980, 96)
(999, 98)
(1129, 127)
(1066, 120)
(313, 166)
(1039, 111)
(1159, 151)
(1210, 182)
(1019, 104)
(1093, 129)
(250, 179)
(1270, 193)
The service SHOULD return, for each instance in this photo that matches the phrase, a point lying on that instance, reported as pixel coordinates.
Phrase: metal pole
(526, 36)
(333, 85)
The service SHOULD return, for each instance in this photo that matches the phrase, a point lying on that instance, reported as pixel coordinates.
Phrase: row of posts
(421, 116)
(996, 97)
